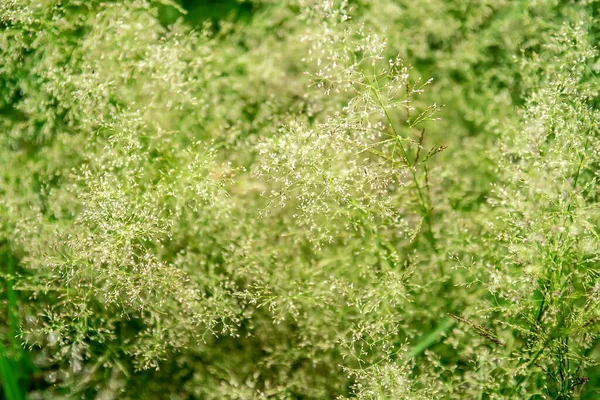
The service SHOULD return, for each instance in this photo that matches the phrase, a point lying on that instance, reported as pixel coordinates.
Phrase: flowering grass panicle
(266, 199)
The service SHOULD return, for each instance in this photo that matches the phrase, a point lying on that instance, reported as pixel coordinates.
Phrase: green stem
(425, 209)
(431, 338)
(8, 365)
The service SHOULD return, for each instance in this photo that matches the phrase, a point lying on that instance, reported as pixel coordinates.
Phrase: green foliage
(267, 199)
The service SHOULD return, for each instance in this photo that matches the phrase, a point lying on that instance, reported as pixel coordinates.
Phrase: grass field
(299, 199)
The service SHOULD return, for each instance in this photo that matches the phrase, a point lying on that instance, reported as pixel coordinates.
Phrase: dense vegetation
(300, 199)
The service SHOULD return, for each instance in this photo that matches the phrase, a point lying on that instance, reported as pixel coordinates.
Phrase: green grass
(300, 199)
(11, 356)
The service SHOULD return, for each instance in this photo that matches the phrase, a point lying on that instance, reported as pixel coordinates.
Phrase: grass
(266, 199)
(12, 356)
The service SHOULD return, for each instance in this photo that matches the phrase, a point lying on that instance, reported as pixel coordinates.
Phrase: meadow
(299, 199)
